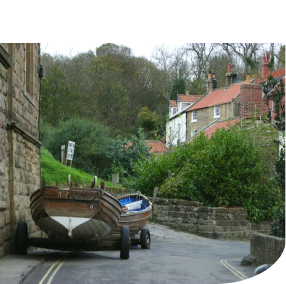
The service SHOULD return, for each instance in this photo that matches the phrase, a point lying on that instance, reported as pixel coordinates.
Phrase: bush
(122, 152)
(226, 170)
(91, 140)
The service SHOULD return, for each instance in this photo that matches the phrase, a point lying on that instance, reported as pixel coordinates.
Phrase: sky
(138, 48)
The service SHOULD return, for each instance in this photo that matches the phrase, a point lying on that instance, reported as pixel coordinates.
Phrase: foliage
(122, 152)
(55, 172)
(147, 119)
(91, 140)
(278, 226)
(179, 87)
(274, 90)
(225, 170)
(54, 95)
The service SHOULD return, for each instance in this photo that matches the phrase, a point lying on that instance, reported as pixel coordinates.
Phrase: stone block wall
(4, 194)
(266, 248)
(19, 135)
(211, 222)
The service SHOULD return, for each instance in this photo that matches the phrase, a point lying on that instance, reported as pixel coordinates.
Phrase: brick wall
(251, 103)
(211, 222)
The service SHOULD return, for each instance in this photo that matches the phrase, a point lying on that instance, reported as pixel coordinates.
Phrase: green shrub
(226, 170)
(91, 140)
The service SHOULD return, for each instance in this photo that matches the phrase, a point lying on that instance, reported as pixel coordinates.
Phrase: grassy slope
(54, 171)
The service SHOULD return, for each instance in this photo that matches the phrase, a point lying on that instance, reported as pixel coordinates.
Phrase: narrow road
(174, 257)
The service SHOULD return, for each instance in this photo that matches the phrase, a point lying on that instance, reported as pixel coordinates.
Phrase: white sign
(71, 147)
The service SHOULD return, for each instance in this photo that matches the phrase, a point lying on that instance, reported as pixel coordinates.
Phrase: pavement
(14, 268)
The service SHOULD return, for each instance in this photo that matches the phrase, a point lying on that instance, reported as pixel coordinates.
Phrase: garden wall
(210, 222)
(266, 248)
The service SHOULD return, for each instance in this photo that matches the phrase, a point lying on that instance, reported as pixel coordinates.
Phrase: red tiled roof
(275, 74)
(221, 124)
(173, 103)
(156, 146)
(188, 98)
(217, 97)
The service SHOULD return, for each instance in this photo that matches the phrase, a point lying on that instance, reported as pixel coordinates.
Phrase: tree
(55, 94)
(123, 152)
(148, 120)
(179, 87)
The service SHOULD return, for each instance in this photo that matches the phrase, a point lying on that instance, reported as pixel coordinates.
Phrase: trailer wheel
(21, 238)
(145, 239)
(124, 242)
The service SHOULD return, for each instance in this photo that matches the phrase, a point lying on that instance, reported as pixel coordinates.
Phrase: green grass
(55, 172)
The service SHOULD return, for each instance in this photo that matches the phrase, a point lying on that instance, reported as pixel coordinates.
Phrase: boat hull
(75, 213)
(136, 220)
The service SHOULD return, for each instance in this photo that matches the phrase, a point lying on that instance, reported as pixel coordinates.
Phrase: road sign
(70, 153)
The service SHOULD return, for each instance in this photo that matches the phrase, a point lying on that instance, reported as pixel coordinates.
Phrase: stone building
(222, 107)
(19, 135)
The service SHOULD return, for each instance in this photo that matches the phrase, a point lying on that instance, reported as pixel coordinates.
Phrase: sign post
(71, 146)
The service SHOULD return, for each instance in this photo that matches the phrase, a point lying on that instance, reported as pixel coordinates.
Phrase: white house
(176, 127)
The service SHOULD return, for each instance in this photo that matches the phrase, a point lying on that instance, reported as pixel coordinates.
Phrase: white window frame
(194, 117)
(194, 132)
(216, 115)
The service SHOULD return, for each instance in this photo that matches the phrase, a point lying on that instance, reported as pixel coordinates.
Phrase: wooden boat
(76, 214)
(136, 211)
(136, 216)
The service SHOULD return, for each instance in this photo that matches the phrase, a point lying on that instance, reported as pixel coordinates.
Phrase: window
(216, 111)
(174, 110)
(194, 115)
(194, 132)
(29, 68)
(184, 105)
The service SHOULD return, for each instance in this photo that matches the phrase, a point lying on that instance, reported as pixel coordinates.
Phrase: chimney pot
(228, 68)
(248, 79)
(187, 93)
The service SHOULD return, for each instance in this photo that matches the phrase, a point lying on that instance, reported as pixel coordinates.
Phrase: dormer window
(216, 111)
(194, 116)
(184, 105)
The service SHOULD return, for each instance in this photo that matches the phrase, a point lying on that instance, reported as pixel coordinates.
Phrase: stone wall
(211, 222)
(19, 134)
(266, 248)
(4, 195)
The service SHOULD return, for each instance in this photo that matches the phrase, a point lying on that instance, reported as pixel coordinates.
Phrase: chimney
(211, 82)
(187, 93)
(214, 81)
(228, 75)
(251, 102)
(265, 68)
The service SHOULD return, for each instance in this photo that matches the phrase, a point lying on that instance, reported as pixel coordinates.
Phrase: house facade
(20, 163)
(177, 125)
(218, 105)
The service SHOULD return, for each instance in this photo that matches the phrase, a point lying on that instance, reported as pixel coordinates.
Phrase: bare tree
(174, 64)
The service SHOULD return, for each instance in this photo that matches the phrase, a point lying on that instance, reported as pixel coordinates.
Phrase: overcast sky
(138, 48)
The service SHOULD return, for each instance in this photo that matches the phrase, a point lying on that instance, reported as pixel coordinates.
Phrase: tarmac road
(174, 257)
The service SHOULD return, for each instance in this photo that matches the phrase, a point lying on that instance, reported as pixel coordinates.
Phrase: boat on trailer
(74, 219)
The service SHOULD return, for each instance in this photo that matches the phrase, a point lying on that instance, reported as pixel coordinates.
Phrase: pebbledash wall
(19, 135)
(210, 222)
